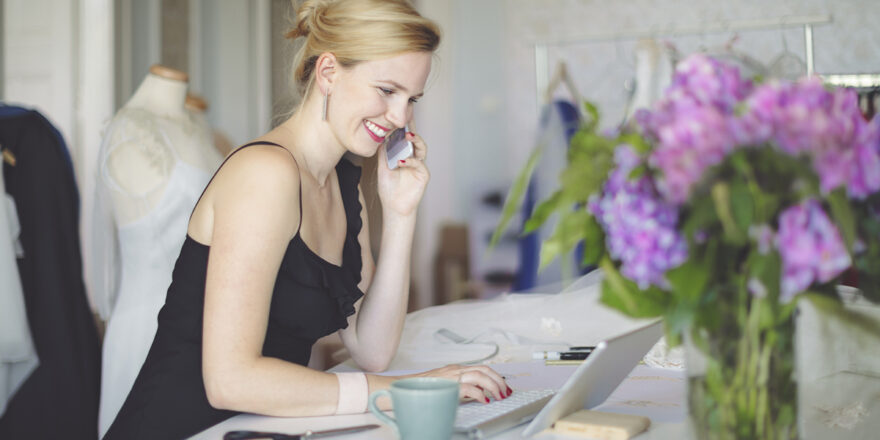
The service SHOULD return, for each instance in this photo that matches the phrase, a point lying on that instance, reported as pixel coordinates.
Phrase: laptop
(591, 383)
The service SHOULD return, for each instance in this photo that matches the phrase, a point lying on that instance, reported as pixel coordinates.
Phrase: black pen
(561, 356)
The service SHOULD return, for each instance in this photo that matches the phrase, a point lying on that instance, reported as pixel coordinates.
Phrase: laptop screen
(595, 379)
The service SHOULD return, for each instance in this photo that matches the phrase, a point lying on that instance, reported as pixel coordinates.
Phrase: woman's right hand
(401, 189)
(474, 381)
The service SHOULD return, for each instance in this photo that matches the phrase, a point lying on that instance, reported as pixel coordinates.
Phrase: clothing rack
(807, 21)
(858, 81)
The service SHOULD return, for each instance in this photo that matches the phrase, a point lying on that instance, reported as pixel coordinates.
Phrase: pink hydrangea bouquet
(717, 209)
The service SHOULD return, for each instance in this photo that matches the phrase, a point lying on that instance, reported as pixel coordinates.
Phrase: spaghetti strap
(242, 148)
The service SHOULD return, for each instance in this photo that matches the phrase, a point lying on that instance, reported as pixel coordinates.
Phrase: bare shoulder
(257, 186)
(261, 164)
(261, 173)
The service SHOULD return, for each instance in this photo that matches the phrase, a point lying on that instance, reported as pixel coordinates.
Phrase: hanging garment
(559, 122)
(655, 66)
(60, 397)
(17, 355)
(311, 299)
(146, 249)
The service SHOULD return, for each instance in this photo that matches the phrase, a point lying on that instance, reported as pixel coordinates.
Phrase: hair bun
(306, 15)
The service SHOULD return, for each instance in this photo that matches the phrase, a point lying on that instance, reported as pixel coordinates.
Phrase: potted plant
(720, 208)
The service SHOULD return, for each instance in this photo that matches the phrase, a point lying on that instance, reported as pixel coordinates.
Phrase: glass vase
(740, 365)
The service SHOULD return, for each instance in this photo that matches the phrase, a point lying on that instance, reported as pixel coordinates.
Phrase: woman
(277, 251)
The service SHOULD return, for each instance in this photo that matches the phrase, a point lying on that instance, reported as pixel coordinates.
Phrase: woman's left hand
(401, 189)
(476, 382)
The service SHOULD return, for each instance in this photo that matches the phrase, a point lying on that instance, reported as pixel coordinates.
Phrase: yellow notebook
(601, 425)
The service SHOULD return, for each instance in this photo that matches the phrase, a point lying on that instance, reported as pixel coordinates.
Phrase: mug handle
(381, 414)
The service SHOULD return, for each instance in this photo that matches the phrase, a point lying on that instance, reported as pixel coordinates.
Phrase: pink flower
(695, 125)
(640, 228)
(811, 248)
(804, 118)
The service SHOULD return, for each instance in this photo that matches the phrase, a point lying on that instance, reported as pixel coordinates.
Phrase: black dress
(311, 298)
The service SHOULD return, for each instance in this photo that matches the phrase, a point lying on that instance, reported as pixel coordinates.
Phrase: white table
(653, 392)
(523, 323)
(519, 324)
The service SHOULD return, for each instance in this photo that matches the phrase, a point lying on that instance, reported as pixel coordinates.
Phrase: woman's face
(373, 98)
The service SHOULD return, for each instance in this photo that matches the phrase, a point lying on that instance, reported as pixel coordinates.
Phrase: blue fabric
(530, 245)
(529, 248)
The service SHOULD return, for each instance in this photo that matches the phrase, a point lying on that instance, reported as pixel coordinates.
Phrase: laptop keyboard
(479, 420)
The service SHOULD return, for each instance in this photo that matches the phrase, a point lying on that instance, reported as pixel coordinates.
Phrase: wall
(39, 47)
(234, 66)
(480, 113)
(850, 44)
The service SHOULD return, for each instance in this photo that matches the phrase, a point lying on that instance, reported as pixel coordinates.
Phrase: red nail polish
(487, 399)
(402, 161)
(509, 391)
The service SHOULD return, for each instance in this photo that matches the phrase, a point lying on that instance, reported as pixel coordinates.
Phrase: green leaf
(637, 141)
(721, 198)
(842, 213)
(766, 268)
(592, 120)
(590, 158)
(766, 318)
(570, 230)
(637, 172)
(625, 296)
(867, 262)
(542, 212)
(514, 198)
(594, 242)
(679, 318)
(743, 207)
(700, 217)
(689, 280)
(550, 249)
(740, 163)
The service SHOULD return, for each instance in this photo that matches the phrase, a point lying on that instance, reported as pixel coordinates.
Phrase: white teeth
(375, 129)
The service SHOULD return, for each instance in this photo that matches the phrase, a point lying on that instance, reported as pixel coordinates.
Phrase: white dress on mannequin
(155, 160)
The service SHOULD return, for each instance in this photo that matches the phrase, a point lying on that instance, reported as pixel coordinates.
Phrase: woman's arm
(374, 331)
(252, 201)
(373, 334)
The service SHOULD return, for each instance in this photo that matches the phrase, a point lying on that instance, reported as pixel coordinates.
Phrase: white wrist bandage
(353, 393)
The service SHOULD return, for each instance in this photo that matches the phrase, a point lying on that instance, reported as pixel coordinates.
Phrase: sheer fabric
(139, 229)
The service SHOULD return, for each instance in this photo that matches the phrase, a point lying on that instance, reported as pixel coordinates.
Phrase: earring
(324, 108)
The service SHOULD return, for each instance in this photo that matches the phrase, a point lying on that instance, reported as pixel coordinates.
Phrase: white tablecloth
(840, 399)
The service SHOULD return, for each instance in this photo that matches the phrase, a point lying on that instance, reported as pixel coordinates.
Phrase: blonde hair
(356, 31)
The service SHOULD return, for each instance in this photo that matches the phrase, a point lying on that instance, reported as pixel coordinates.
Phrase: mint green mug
(424, 407)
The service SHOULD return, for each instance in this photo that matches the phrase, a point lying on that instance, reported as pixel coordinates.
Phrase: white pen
(561, 356)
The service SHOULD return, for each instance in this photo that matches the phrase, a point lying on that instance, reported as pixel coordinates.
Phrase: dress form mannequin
(142, 153)
(154, 162)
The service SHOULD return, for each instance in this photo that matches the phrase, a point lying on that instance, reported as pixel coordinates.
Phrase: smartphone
(397, 148)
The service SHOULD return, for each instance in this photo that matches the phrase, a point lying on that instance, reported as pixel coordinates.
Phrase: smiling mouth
(376, 132)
